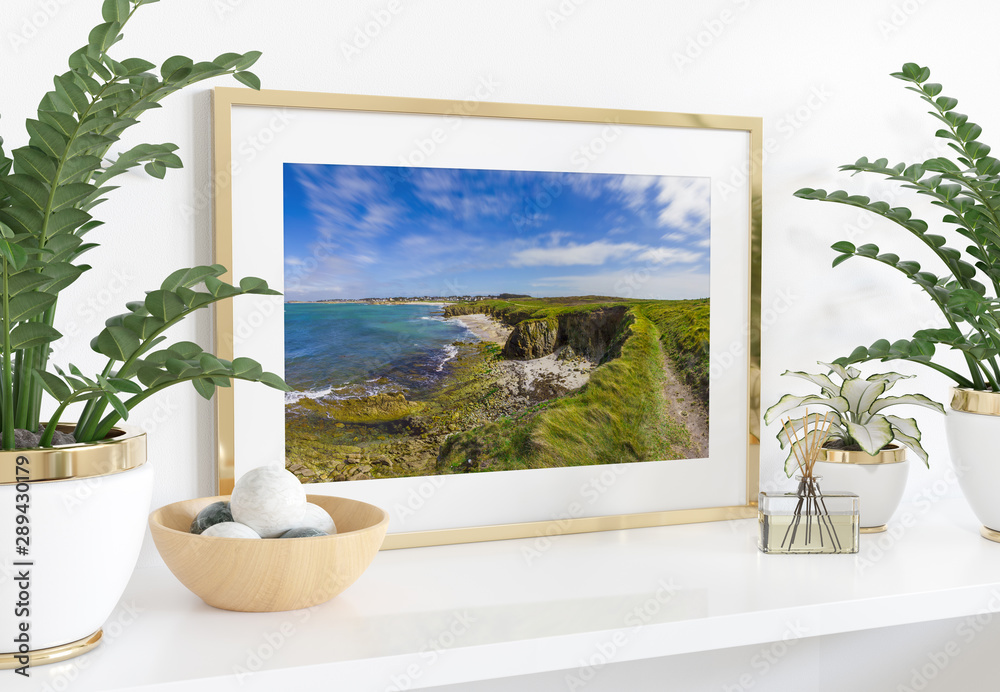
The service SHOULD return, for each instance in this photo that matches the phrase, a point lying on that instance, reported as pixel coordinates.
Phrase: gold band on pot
(892, 455)
(972, 401)
(42, 657)
(123, 450)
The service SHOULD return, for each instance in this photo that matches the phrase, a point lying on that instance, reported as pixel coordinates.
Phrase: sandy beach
(485, 328)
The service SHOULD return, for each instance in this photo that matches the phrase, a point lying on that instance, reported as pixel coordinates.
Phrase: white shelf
(517, 607)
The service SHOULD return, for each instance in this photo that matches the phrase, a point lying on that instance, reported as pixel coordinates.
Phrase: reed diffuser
(808, 520)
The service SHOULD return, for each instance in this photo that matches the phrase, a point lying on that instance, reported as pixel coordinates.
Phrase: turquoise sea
(346, 350)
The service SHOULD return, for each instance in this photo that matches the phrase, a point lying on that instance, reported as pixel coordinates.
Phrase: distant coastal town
(402, 300)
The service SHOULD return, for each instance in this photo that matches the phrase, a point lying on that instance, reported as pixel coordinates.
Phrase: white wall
(816, 71)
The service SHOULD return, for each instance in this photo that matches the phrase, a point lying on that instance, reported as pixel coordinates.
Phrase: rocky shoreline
(389, 435)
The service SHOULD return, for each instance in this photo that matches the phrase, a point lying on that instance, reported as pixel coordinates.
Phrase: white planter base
(972, 443)
(85, 536)
(879, 488)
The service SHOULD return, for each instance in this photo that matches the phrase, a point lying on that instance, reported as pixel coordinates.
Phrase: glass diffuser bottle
(808, 520)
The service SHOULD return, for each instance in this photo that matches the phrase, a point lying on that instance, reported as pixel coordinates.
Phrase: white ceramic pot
(86, 508)
(878, 481)
(973, 429)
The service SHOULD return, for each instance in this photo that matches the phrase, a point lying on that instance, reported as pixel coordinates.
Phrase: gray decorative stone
(230, 529)
(213, 514)
(302, 533)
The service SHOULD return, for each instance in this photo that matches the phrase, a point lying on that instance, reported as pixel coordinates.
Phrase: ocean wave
(459, 323)
(434, 318)
(348, 391)
(295, 397)
(449, 353)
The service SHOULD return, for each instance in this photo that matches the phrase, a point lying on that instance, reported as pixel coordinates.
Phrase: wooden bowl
(269, 574)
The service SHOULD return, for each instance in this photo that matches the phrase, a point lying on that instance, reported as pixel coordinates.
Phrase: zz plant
(48, 190)
(964, 285)
(856, 417)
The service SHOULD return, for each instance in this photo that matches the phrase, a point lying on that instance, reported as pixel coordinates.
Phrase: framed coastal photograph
(497, 320)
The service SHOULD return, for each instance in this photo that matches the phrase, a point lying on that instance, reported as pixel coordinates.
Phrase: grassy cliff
(621, 414)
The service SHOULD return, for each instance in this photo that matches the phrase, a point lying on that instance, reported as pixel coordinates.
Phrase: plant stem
(8, 380)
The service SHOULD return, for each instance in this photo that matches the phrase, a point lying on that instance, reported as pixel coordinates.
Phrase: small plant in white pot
(866, 449)
(76, 495)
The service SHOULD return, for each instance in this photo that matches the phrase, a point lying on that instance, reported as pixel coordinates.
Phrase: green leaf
(35, 163)
(871, 436)
(26, 190)
(211, 365)
(156, 169)
(164, 305)
(28, 304)
(53, 384)
(103, 36)
(117, 343)
(115, 11)
(273, 381)
(137, 66)
(117, 405)
(174, 68)
(186, 278)
(46, 138)
(915, 399)
(31, 334)
(247, 368)
(69, 194)
(127, 386)
(25, 281)
(249, 79)
(204, 387)
(13, 253)
(844, 246)
(66, 88)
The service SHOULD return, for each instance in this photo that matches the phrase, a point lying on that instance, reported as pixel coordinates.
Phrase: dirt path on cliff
(685, 408)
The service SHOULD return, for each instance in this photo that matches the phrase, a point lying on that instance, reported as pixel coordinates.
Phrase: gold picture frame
(225, 177)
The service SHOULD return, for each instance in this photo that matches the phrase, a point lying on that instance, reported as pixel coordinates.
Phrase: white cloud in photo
(685, 204)
(626, 284)
(593, 254)
(669, 255)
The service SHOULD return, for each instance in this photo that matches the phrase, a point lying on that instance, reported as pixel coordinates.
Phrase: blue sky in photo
(381, 231)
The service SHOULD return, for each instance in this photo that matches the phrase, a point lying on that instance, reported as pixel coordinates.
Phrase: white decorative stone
(230, 529)
(315, 517)
(268, 499)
